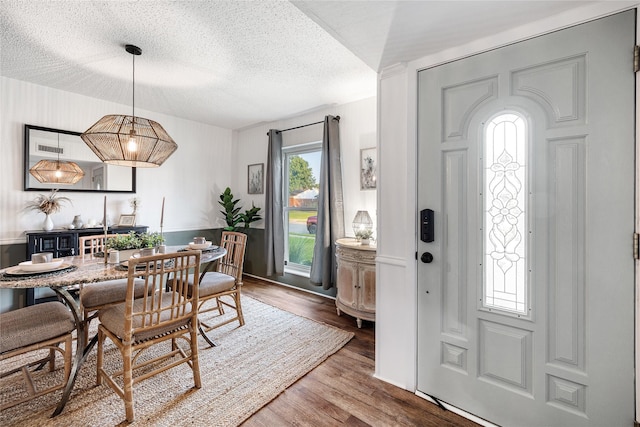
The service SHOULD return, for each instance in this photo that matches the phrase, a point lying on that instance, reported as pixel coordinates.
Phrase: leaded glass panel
(505, 214)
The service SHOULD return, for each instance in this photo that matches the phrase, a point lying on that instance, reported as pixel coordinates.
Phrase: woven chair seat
(112, 318)
(108, 292)
(34, 324)
(213, 283)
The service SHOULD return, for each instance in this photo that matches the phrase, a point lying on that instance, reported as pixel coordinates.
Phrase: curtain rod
(304, 126)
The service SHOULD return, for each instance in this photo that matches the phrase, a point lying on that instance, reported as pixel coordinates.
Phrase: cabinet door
(67, 244)
(367, 290)
(60, 245)
(347, 281)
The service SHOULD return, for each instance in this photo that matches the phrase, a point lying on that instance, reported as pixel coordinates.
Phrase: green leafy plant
(251, 215)
(231, 212)
(133, 240)
(300, 250)
(48, 204)
(364, 234)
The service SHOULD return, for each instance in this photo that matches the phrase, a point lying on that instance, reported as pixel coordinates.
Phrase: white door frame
(402, 122)
(637, 228)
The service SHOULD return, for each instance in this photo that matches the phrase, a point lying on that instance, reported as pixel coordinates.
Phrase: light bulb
(58, 173)
(132, 145)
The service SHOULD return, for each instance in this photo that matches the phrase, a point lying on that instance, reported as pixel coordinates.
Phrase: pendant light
(130, 140)
(56, 171)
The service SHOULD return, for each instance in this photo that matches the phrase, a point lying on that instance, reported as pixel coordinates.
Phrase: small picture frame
(255, 178)
(368, 168)
(127, 221)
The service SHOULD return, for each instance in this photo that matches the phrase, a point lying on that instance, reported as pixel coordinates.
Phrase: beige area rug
(249, 368)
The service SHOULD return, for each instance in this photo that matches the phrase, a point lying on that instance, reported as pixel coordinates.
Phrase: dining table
(70, 276)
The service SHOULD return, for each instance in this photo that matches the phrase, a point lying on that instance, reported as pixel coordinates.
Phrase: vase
(77, 221)
(48, 223)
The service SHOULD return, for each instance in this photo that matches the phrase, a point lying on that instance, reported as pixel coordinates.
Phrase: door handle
(426, 257)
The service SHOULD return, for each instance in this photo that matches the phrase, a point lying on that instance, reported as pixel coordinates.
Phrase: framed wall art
(127, 221)
(255, 178)
(368, 166)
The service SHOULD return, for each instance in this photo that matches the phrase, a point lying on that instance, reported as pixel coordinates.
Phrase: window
(505, 284)
(301, 169)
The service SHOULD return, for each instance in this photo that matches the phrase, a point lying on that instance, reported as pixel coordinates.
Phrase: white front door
(526, 157)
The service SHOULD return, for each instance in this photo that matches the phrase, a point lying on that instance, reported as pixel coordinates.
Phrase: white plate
(18, 271)
(30, 267)
(200, 246)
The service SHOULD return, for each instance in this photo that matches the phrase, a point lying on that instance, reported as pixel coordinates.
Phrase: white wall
(396, 310)
(357, 131)
(191, 179)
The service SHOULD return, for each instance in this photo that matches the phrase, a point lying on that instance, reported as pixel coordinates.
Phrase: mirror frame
(27, 129)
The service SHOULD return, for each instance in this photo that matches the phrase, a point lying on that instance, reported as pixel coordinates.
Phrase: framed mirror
(42, 143)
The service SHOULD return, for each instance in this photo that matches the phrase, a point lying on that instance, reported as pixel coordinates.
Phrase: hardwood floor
(341, 390)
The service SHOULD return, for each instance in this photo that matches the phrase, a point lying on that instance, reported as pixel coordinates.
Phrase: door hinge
(636, 58)
(636, 247)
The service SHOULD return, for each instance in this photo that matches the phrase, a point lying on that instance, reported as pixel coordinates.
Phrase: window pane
(302, 237)
(302, 169)
(505, 214)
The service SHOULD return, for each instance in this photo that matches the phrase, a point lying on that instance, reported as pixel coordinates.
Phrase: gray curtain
(330, 207)
(273, 213)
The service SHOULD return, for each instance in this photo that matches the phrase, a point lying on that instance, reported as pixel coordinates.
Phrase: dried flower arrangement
(47, 204)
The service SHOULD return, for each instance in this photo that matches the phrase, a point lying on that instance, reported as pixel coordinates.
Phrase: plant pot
(365, 242)
(125, 254)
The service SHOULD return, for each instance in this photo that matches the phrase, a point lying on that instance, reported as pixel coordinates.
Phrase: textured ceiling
(383, 33)
(237, 63)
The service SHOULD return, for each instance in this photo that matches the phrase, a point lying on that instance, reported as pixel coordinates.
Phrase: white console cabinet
(356, 281)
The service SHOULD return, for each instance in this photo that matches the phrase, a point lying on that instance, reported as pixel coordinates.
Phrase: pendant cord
(133, 103)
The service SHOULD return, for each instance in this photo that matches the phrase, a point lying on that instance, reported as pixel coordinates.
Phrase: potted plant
(231, 213)
(128, 244)
(364, 236)
(48, 205)
(250, 215)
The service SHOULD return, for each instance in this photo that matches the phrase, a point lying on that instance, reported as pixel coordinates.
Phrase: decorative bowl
(200, 246)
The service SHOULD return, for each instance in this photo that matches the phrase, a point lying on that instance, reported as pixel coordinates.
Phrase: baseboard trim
(275, 282)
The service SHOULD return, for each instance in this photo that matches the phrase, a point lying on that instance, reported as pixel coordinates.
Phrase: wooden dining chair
(163, 313)
(90, 245)
(223, 286)
(29, 329)
(100, 295)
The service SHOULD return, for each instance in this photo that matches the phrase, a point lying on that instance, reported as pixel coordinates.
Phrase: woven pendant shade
(129, 140)
(109, 140)
(56, 172)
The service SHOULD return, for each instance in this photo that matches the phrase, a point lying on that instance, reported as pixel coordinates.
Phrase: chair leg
(52, 360)
(86, 329)
(128, 382)
(99, 357)
(68, 349)
(195, 364)
(220, 306)
(236, 297)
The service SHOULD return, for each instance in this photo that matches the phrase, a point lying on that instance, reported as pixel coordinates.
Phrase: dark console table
(63, 243)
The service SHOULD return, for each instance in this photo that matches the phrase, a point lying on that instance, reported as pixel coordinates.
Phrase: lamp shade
(56, 172)
(362, 221)
(110, 139)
